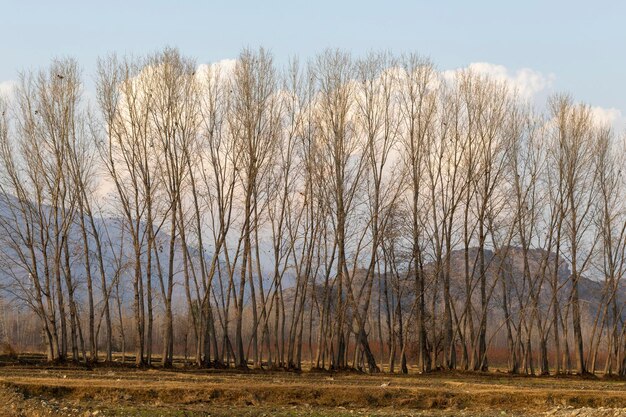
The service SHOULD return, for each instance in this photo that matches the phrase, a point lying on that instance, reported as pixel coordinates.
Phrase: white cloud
(609, 117)
(535, 86)
(225, 68)
(6, 88)
(527, 82)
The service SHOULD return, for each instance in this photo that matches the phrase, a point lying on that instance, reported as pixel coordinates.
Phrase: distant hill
(508, 265)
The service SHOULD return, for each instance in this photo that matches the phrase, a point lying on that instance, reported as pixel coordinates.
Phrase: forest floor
(71, 390)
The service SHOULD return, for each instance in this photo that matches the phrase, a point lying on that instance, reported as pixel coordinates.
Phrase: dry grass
(126, 391)
(7, 351)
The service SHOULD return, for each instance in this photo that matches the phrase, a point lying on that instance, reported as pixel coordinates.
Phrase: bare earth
(27, 390)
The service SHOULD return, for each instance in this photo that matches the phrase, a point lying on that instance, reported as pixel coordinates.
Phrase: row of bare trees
(372, 213)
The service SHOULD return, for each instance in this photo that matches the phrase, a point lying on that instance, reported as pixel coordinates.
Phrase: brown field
(36, 389)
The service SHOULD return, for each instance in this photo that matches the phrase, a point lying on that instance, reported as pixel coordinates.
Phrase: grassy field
(41, 390)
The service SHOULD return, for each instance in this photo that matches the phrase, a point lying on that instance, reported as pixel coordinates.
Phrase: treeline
(321, 207)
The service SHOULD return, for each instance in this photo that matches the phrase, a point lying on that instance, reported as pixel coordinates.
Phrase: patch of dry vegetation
(125, 391)
(7, 351)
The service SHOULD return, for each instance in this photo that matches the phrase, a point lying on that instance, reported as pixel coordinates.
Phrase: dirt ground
(41, 390)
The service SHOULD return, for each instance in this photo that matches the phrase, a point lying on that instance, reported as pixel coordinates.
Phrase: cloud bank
(535, 86)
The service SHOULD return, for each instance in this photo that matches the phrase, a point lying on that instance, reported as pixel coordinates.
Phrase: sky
(557, 46)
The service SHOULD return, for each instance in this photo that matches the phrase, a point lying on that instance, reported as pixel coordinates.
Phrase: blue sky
(579, 44)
